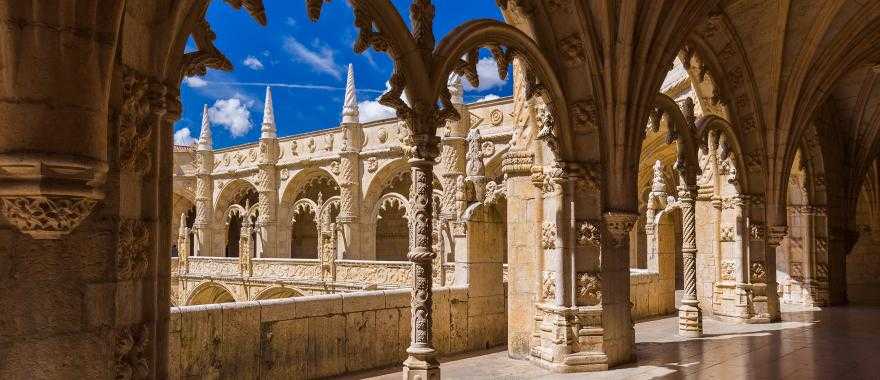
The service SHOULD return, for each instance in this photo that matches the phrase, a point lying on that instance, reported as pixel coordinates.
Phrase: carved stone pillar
(619, 336)
(245, 247)
(349, 240)
(452, 155)
(267, 183)
(775, 234)
(53, 114)
(524, 252)
(422, 361)
(690, 320)
(204, 163)
(183, 240)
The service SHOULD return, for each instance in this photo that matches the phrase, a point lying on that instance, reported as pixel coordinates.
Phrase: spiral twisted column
(422, 361)
(690, 319)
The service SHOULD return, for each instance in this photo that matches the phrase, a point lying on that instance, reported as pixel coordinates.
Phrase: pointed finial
(456, 90)
(205, 141)
(182, 229)
(268, 131)
(350, 107)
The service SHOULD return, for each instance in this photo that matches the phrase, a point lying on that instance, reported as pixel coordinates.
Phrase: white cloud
(233, 114)
(253, 63)
(183, 137)
(195, 82)
(290, 21)
(487, 70)
(488, 97)
(320, 60)
(370, 110)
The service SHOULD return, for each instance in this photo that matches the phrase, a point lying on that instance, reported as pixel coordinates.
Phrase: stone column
(267, 183)
(524, 259)
(350, 176)
(775, 234)
(690, 320)
(619, 336)
(422, 361)
(183, 246)
(204, 190)
(245, 247)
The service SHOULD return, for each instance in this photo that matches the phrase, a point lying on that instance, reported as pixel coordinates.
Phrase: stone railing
(213, 266)
(649, 295)
(321, 336)
(280, 269)
(363, 273)
(384, 274)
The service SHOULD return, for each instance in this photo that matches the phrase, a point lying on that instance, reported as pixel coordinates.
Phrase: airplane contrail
(296, 86)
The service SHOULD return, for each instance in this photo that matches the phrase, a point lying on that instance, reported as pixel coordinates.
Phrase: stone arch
(278, 292)
(210, 292)
(392, 178)
(721, 54)
(231, 193)
(391, 216)
(228, 218)
(301, 202)
(303, 222)
(304, 178)
(180, 205)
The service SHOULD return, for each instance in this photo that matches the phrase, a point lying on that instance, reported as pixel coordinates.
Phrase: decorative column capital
(618, 225)
(47, 196)
(517, 163)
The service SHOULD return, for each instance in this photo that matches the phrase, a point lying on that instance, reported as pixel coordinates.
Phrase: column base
(569, 340)
(690, 319)
(421, 367)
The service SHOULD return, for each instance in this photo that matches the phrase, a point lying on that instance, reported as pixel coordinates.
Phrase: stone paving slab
(838, 342)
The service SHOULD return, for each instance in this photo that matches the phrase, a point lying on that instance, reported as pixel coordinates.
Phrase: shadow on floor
(835, 342)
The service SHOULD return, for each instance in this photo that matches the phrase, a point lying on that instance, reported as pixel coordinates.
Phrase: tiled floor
(834, 343)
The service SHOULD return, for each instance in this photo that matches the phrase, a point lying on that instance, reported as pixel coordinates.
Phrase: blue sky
(295, 54)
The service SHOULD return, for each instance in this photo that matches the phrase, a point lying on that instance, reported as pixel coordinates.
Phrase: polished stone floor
(834, 343)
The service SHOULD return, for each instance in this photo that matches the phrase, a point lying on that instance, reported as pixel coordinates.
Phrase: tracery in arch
(390, 215)
(311, 216)
(236, 211)
(181, 205)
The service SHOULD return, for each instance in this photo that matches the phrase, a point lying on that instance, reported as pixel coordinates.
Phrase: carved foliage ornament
(132, 252)
(589, 289)
(588, 233)
(44, 217)
(129, 352)
(758, 273)
(548, 235)
(548, 285)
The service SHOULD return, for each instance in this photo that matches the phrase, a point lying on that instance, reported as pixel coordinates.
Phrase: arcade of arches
(709, 159)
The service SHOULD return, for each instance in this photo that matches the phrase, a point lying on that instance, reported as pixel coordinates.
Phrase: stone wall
(863, 271)
(649, 296)
(320, 336)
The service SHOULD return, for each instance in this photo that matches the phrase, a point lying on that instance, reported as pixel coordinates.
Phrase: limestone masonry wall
(649, 296)
(319, 336)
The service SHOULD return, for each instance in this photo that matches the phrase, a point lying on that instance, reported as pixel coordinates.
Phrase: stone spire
(350, 107)
(268, 131)
(205, 141)
(182, 230)
(456, 90)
